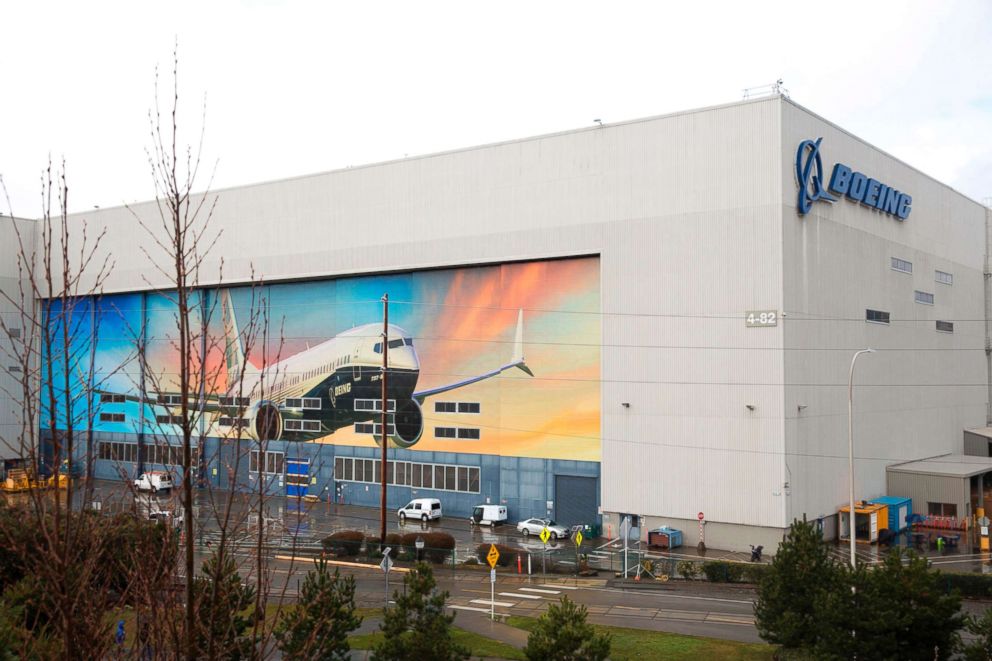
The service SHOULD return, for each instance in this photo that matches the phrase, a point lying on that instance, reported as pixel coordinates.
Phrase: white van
(425, 509)
(153, 481)
(488, 515)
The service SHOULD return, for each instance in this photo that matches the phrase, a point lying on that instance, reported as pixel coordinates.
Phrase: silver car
(535, 526)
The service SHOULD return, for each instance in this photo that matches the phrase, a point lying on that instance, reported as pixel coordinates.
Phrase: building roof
(951, 465)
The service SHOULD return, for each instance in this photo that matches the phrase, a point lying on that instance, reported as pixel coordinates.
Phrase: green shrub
(507, 554)
(344, 542)
(687, 569)
(720, 571)
(753, 573)
(969, 585)
(373, 547)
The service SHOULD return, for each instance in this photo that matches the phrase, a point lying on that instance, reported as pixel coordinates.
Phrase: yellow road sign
(578, 538)
(545, 534)
(492, 556)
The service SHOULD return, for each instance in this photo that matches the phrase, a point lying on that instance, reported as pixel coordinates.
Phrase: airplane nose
(405, 358)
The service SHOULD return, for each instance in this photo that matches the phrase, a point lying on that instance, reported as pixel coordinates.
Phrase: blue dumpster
(665, 537)
(899, 510)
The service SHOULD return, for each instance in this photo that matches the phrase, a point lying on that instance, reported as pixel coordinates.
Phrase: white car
(153, 481)
(535, 526)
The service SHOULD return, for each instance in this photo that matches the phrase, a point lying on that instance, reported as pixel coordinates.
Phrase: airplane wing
(516, 360)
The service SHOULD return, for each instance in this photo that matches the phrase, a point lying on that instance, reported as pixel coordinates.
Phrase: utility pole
(384, 438)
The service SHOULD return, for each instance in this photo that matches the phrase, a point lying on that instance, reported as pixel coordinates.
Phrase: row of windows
(373, 428)
(466, 433)
(374, 405)
(274, 462)
(303, 403)
(457, 407)
(234, 401)
(166, 455)
(881, 317)
(907, 267)
(302, 425)
(408, 473)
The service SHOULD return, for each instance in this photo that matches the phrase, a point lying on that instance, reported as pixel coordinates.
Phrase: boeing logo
(843, 182)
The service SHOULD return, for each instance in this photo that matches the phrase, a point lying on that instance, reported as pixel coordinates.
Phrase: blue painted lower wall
(524, 485)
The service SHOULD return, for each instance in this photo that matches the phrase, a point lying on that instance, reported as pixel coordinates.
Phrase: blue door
(297, 477)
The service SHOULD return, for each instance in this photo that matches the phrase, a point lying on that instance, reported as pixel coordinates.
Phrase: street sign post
(578, 543)
(545, 536)
(385, 566)
(492, 557)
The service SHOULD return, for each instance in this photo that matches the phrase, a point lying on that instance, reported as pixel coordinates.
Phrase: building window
(170, 400)
(274, 462)
(234, 401)
(14, 369)
(902, 265)
(111, 417)
(14, 333)
(312, 403)
(302, 425)
(944, 278)
(445, 432)
(170, 419)
(294, 403)
(111, 398)
(374, 405)
(942, 509)
(464, 479)
(923, 297)
(456, 407)
(945, 326)
(373, 428)
(468, 433)
(877, 316)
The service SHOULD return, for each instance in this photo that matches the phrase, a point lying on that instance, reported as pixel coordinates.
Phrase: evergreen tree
(222, 601)
(319, 626)
(895, 611)
(980, 649)
(562, 634)
(799, 574)
(417, 627)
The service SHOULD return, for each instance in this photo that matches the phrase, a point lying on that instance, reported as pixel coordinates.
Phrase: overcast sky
(294, 88)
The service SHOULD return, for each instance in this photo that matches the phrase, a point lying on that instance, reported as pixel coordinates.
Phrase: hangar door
(575, 500)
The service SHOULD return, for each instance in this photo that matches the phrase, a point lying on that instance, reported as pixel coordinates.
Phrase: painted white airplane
(329, 386)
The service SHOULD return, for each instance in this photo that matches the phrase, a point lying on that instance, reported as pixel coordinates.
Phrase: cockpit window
(378, 347)
(409, 341)
(395, 344)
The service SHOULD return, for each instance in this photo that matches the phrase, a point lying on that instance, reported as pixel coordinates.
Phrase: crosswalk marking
(519, 596)
(541, 591)
(470, 608)
(561, 587)
(504, 604)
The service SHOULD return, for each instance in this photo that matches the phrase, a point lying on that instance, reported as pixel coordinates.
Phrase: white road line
(541, 591)
(519, 596)
(504, 604)
(470, 608)
(561, 587)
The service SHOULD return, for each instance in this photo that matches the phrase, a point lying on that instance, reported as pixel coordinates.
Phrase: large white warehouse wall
(922, 387)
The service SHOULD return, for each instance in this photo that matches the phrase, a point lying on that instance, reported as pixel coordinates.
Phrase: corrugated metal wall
(11, 379)
(925, 489)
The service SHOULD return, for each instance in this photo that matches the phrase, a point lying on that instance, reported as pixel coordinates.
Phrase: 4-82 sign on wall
(761, 318)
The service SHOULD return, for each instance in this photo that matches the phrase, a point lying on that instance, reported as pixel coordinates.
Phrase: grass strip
(640, 644)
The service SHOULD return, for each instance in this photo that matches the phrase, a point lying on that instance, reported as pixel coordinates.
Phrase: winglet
(518, 345)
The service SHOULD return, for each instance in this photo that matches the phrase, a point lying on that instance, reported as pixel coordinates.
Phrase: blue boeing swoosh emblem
(809, 173)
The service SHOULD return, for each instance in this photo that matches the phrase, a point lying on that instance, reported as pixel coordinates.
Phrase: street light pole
(850, 448)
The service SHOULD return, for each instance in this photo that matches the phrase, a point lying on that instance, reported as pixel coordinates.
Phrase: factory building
(653, 318)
